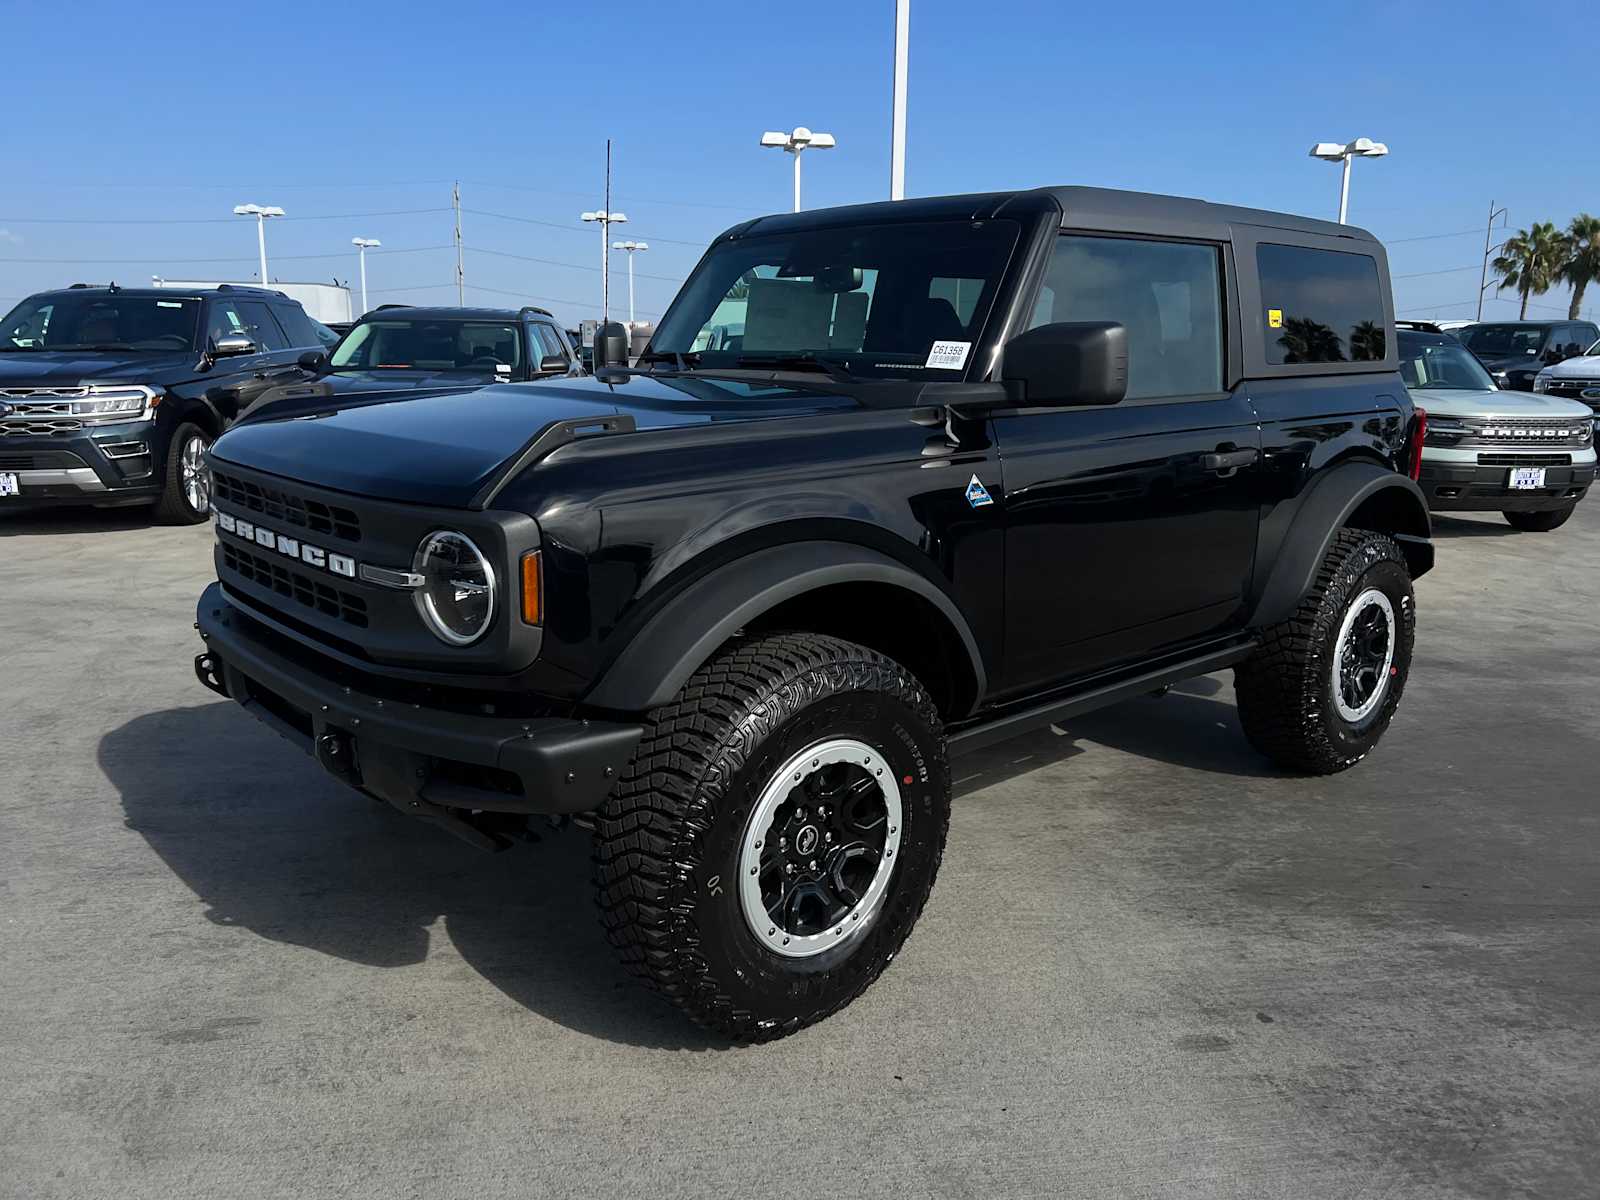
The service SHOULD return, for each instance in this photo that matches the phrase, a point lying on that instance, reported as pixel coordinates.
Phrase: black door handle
(1229, 460)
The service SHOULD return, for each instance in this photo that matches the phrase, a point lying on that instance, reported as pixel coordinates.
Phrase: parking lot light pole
(605, 220)
(795, 142)
(631, 247)
(897, 115)
(1333, 152)
(260, 212)
(361, 245)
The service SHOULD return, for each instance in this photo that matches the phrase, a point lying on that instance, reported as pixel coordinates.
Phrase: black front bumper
(1452, 487)
(439, 763)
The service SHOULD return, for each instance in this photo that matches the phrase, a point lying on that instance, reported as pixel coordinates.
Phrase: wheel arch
(835, 588)
(1355, 494)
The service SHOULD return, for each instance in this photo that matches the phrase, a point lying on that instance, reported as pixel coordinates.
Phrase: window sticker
(950, 356)
(169, 303)
(1274, 318)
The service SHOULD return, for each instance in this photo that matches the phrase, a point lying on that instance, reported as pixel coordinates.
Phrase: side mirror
(313, 360)
(1068, 363)
(232, 346)
(611, 345)
(552, 364)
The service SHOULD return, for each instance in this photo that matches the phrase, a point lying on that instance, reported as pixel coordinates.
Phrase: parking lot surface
(1152, 966)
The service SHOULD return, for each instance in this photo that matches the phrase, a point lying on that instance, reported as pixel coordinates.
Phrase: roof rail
(381, 307)
(534, 308)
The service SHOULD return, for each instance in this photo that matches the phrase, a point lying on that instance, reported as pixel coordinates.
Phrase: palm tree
(1367, 342)
(1582, 266)
(1529, 261)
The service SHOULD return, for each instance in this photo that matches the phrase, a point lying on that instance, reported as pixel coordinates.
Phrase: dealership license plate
(9, 485)
(1526, 478)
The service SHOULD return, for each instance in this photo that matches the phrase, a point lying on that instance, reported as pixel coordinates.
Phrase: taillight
(1419, 434)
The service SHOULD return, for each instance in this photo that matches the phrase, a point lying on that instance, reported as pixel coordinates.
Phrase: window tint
(297, 325)
(1321, 305)
(550, 341)
(261, 326)
(1167, 295)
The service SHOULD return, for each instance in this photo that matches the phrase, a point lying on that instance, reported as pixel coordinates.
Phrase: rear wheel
(777, 834)
(186, 490)
(1539, 522)
(1325, 684)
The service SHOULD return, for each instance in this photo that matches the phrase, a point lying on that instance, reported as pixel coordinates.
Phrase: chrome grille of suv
(329, 520)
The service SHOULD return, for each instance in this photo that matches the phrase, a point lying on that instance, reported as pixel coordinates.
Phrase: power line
(1446, 271)
(1429, 237)
(478, 212)
(551, 262)
(402, 212)
(122, 262)
(510, 187)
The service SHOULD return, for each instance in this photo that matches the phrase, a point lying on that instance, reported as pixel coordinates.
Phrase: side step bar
(1008, 725)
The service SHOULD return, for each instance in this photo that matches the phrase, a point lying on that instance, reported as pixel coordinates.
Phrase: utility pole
(461, 274)
(1488, 233)
(897, 145)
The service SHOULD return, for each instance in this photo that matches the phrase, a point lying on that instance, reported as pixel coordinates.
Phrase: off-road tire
(173, 507)
(667, 842)
(1285, 690)
(1539, 522)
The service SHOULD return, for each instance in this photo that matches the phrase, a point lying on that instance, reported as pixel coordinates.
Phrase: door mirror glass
(1068, 363)
(232, 346)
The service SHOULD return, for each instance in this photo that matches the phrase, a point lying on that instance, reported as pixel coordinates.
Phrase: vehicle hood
(69, 368)
(442, 448)
(1585, 366)
(1458, 402)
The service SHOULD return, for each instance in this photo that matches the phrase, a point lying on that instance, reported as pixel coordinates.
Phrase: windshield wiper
(806, 361)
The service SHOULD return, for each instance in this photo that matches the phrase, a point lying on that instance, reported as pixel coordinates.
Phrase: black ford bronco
(890, 482)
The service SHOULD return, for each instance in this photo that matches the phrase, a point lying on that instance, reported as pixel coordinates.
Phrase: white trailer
(325, 302)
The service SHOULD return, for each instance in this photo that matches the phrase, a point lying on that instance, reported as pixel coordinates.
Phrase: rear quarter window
(1321, 306)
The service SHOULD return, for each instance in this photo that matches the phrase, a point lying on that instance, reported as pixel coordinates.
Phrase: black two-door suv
(110, 396)
(958, 467)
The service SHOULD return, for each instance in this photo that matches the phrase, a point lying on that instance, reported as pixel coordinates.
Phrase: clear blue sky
(174, 113)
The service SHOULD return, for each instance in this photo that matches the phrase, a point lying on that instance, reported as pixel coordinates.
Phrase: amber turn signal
(532, 589)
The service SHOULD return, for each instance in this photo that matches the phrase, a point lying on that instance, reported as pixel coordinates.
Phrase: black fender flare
(673, 643)
(1326, 507)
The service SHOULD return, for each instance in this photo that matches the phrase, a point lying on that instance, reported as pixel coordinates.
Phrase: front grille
(41, 460)
(27, 396)
(1523, 431)
(330, 520)
(40, 428)
(1524, 460)
(308, 592)
(1559, 386)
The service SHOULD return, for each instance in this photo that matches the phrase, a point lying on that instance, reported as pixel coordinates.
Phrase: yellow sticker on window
(1274, 318)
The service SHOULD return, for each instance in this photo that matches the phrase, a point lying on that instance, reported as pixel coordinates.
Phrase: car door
(1131, 526)
(241, 374)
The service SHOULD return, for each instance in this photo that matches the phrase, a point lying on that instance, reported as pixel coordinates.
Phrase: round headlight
(457, 595)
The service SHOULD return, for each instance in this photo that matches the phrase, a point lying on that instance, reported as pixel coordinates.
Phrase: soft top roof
(1080, 207)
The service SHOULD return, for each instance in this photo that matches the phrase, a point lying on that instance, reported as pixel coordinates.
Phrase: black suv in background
(398, 350)
(976, 464)
(1514, 352)
(110, 396)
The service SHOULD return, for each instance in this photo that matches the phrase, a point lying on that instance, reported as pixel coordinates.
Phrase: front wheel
(774, 840)
(1324, 685)
(1539, 522)
(186, 488)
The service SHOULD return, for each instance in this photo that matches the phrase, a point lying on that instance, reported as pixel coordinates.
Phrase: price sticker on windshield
(951, 356)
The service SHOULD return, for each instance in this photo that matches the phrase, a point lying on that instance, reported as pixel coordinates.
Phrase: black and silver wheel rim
(819, 848)
(192, 474)
(1363, 656)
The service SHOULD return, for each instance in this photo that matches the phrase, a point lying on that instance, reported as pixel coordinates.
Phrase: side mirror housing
(611, 345)
(314, 360)
(552, 364)
(232, 346)
(1068, 363)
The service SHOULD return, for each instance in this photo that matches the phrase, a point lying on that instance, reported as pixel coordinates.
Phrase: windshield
(1504, 341)
(429, 346)
(100, 321)
(878, 300)
(1440, 365)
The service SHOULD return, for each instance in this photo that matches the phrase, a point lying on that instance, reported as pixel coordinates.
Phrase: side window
(1322, 306)
(550, 342)
(224, 321)
(301, 332)
(1168, 295)
(262, 326)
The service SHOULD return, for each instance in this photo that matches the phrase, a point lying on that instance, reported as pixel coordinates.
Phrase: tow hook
(209, 672)
(337, 754)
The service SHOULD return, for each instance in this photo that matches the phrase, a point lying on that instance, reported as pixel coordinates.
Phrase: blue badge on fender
(977, 494)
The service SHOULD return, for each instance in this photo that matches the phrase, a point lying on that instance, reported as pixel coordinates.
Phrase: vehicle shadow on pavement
(1492, 525)
(272, 845)
(73, 520)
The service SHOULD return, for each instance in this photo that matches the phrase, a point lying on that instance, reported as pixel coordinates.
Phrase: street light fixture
(1333, 152)
(362, 245)
(605, 220)
(260, 212)
(631, 247)
(794, 143)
